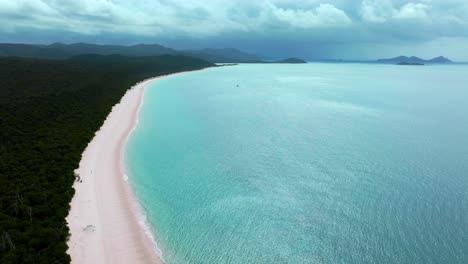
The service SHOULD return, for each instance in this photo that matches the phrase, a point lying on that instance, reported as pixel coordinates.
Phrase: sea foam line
(142, 216)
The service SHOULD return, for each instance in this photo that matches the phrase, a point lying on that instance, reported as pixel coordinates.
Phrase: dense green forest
(49, 111)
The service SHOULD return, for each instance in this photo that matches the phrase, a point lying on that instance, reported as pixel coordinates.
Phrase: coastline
(105, 218)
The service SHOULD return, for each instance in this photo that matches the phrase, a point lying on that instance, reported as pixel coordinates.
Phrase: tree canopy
(49, 111)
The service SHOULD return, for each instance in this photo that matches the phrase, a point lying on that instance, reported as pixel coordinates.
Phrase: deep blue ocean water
(313, 163)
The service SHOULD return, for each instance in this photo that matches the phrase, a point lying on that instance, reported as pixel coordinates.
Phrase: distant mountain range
(226, 55)
(413, 60)
(64, 51)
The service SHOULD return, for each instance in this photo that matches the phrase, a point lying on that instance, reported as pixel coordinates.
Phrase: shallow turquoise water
(316, 163)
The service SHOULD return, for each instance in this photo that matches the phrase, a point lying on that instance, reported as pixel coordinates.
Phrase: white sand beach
(104, 216)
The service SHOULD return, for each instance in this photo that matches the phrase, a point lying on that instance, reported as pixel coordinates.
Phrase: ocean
(306, 163)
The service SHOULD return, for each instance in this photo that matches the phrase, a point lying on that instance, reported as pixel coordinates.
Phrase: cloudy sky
(349, 29)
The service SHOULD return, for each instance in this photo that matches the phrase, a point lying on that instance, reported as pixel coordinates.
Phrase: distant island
(284, 61)
(410, 63)
(413, 59)
(291, 60)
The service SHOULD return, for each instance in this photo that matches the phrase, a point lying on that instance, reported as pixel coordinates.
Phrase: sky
(310, 29)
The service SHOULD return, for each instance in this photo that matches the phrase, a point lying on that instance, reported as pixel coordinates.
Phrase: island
(291, 61)
(410, 63)
(414, 59)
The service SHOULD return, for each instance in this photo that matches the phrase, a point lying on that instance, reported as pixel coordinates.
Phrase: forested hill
(64, 51)
(50, 110)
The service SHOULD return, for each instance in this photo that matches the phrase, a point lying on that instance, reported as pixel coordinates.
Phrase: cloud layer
(296, 23)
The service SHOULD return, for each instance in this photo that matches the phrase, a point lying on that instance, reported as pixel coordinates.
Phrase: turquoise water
(315, 163)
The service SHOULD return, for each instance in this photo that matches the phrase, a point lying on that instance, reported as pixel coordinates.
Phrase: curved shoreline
(105, 218)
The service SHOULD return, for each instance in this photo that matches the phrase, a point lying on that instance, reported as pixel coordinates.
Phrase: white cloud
(413, 11)
(376, 11)
(325, 15)
(153, 18)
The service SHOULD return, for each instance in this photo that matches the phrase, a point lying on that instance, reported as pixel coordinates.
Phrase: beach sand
(104, 218)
